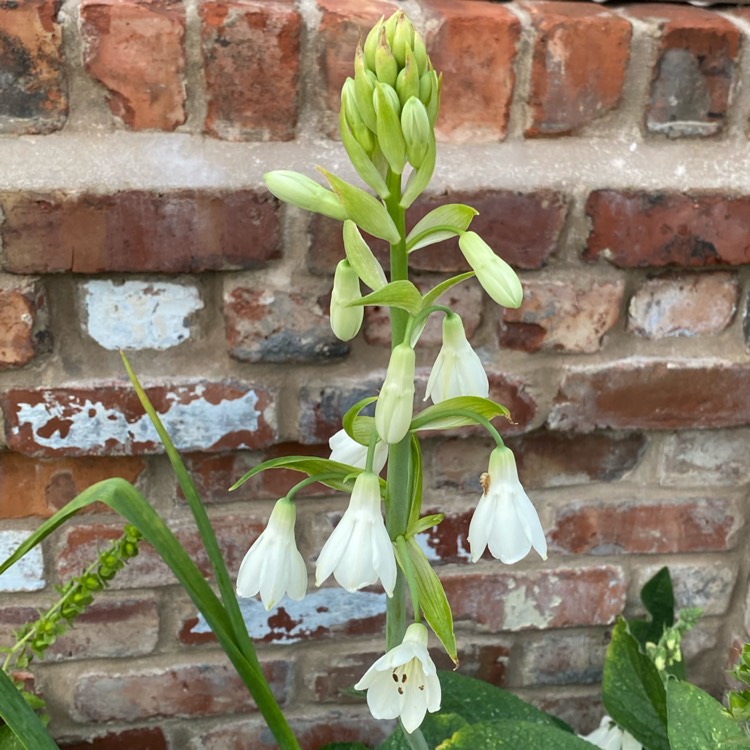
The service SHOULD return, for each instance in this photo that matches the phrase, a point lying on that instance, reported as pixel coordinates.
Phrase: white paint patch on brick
(197, 425)
(322, 610)
(139, 314)
(28, 573)
(522, 611)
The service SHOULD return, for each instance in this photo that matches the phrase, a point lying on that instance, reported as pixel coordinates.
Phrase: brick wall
(607, 151)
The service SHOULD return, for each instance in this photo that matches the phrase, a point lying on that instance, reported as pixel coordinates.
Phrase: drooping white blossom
(346, 450)
(359, 550)
(403, 683)
(609, 736)
(505, 520)
(393, 410)
(457, 370)
(273, 565)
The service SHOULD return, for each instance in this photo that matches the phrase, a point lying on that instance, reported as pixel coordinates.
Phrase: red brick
(23, 324)
(105, 630)
(39, 487)
(544, 459)
(694, 72)
(643, 527)
(342, 24)
(34, 94)
(80, 545)
(331, 678)
(499, 598)
(474, 46)
(183, 690)
(562, 316)
(277, 482)
(580, 708)
(135, 48)
(138, 231)
(143, 739)
(684, 305)
(523, 228)
(274, 325)
(251, 56)
(465, 299)
(652, 394)
(107, 418)
(635, 229)
(580, 57)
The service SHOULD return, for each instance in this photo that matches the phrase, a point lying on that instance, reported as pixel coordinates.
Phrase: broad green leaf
(309, 465)
(440, 224)
(434, 294)
(420, 178)
(363, 209)
(446, 415)
(478, 701)
(432, 599)
(349, 420)
(633, 692)
(511, 734)
(697, 722)
(402, 294)
(435, 728)
(21, 720)
(658, 599)
(8, 740)
(361, 258)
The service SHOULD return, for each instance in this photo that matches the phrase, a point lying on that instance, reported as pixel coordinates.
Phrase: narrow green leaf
(697, 722)
(402, 294)
(415, 483)
(8, 740)
(632, 691)
(364, 209)
(420, 178)
(511, 734)
(352, 413)
(432, 599)
(361, 258)
(434, 294)
(21, 719)
(440, 224)
(307, 465)
(443, 416)
(424, 523)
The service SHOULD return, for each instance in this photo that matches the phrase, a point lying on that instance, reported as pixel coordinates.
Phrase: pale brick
(684, 305)
(28, 573)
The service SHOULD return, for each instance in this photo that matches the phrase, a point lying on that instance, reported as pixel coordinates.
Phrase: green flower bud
(345, 321)
(407, 83)
(386, 67)
(415, 126)
(364, 88)
(420, 52)
(301, 191)
(403, 38)
(390, 138)
(429, 93)
(353, 118)
(393, 410)
(390, 27)
(371, 43)
(497, 278)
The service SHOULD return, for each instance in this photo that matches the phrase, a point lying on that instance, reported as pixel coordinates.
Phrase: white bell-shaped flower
(359, 550)
(393, 410)
(609, 736)
(505, 519)
(345, 450)
(403, 683)
(273, 566)
(457, 370)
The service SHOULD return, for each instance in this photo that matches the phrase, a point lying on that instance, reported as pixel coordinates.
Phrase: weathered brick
(183, 690)
(275, 325)
(104, 630)
(544, 459)
(707, 584)
(563, 658)
(135, 48)
(107, 418)
(464, 299)
(79, 546)
(342, 24)
(28, 573)
(39, 487)
(638, 228)
(475, 47)
(331, 677)
(144, 739)
(694, 72)
(580, 57)
(24, 321)
(684, 305)
(138, 231)
(523, 228)
(499, 598)
(646, 527)
(581, 708)
(33, 91)
(562, 316)
(139, 314)
(716, 458)
(645, 393)
(251, 59)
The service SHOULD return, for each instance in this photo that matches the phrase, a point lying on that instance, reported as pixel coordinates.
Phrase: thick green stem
(399, 455)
